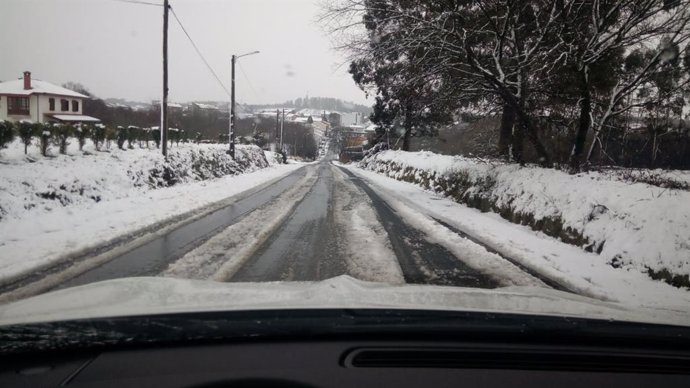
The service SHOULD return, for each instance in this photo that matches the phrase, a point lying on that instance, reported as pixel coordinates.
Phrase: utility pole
(282, 122)
(164, 102)
(232, 110)
(231, 136)
(277, 134)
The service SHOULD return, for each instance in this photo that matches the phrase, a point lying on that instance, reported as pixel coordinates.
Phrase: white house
(40, 102)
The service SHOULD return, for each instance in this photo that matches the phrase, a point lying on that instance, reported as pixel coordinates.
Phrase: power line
(196, 48)
(138, 2)
(256, 95)
(198, 51)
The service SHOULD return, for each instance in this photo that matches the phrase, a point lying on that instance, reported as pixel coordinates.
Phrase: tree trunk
(585, 122)
(408, 130)
(506, 132)
(518, 140)
(652, 163)
(525, 128)
(406, 138)
(531, 132)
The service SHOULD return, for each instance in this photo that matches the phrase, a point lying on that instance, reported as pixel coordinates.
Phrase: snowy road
(160, 252)
(306, 246)
(318, 222)
(341, 226)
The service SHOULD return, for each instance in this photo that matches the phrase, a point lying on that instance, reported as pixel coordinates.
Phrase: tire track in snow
(430, 253)
(332, 231)
(223, 254)
(306, 247)
(549, 282)
(367, 248)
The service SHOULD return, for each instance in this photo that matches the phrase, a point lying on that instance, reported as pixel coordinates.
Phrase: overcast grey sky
(114, 48)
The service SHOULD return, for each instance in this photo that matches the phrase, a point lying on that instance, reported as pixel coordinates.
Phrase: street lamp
(231, 136)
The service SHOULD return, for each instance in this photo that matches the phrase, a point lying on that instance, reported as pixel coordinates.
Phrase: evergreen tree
(98, 136)
(62, 134)
(6, 133)
(121, 135)
(26, 133)
(82, 132)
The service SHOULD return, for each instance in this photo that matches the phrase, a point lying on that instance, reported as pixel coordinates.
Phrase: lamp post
(231, 136)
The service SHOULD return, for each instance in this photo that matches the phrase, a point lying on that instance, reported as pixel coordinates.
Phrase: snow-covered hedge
(31, 184)
(630, 225)
(197, 164)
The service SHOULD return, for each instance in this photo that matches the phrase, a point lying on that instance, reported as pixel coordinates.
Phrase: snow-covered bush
(155, 134)
(197, 164)
(131, 136)
(110, 136)
(378, 147)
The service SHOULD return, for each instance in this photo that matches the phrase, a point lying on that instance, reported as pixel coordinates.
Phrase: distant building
(320, 129)
(335, 119)
(204, 107)
(38, 101)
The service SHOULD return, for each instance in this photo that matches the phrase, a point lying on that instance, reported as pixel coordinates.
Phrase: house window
(51, 103)
(18, 105)
(64, 105)
(75, 106)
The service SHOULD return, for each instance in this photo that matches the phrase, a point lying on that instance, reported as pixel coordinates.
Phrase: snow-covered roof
(205, 106)
(311, 112)
(81, 118)
(37, 87)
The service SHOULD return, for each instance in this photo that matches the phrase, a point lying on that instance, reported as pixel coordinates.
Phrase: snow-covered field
(629, 226)
(61, 206)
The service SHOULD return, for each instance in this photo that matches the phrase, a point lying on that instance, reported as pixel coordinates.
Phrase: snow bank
(629, 225)
(31, 185)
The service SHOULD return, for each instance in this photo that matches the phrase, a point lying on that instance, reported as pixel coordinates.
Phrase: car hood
(154, 295)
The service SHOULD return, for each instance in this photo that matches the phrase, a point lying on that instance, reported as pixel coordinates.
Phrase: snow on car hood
(155, 295)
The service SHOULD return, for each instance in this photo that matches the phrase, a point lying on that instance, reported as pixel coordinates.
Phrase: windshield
(530, 157)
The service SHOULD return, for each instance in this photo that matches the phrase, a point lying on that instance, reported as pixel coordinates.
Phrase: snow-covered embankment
(32, 185)
(632, 226)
